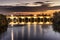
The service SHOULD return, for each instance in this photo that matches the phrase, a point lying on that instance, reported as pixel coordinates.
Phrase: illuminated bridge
(29, 19)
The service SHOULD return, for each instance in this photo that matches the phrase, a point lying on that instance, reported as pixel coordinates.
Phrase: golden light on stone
(28, 17)
(48, 17)
(47, 22)
(11, 23)
(41, 17)
(12, 17)
(41, 23)
(35, 17)
(34, 22)
(22, 17)
(29, 23)
(16, 17)
(22, 23)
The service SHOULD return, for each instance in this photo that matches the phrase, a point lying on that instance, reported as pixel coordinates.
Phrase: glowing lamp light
(35, 23)
(22, 23)
(12, 17)
(16, 23)
(11, 23)
(35, 17)
(28, 17)
(41, 23)
(29, 23)
(41, 17)
(47, 23)
(47, 17)
(16, 17)
(22, 17)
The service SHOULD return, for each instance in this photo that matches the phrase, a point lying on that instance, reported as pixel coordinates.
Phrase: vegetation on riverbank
(56, 21)
(3, 23)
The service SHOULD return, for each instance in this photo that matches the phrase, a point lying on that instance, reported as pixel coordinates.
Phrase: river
(30, 32)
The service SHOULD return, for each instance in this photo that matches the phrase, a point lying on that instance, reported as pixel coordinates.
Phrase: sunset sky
(44, 6)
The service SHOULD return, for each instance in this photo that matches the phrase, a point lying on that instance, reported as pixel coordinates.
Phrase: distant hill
(27, 9)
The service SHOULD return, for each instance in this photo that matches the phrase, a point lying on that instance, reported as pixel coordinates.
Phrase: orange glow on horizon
(48, 12)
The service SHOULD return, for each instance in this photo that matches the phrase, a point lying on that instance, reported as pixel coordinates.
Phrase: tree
(3, 23)
(56, 18)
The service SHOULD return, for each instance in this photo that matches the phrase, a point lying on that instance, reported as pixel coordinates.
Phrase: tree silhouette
(3, 23)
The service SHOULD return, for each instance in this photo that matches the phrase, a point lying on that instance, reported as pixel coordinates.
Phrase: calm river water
(30, 32)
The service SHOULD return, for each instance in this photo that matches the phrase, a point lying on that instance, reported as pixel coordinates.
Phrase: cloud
(39, 2)
(45, 4)
(33, 7)
(32, 4)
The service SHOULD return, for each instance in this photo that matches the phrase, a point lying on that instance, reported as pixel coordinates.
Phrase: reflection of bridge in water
(29, 19)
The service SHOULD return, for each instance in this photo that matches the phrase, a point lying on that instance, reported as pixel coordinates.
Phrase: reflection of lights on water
(12, 35)
(40, 27)
(12, 23)
(34, 29)
(28, 30)
(12, 38)
(22, 32)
